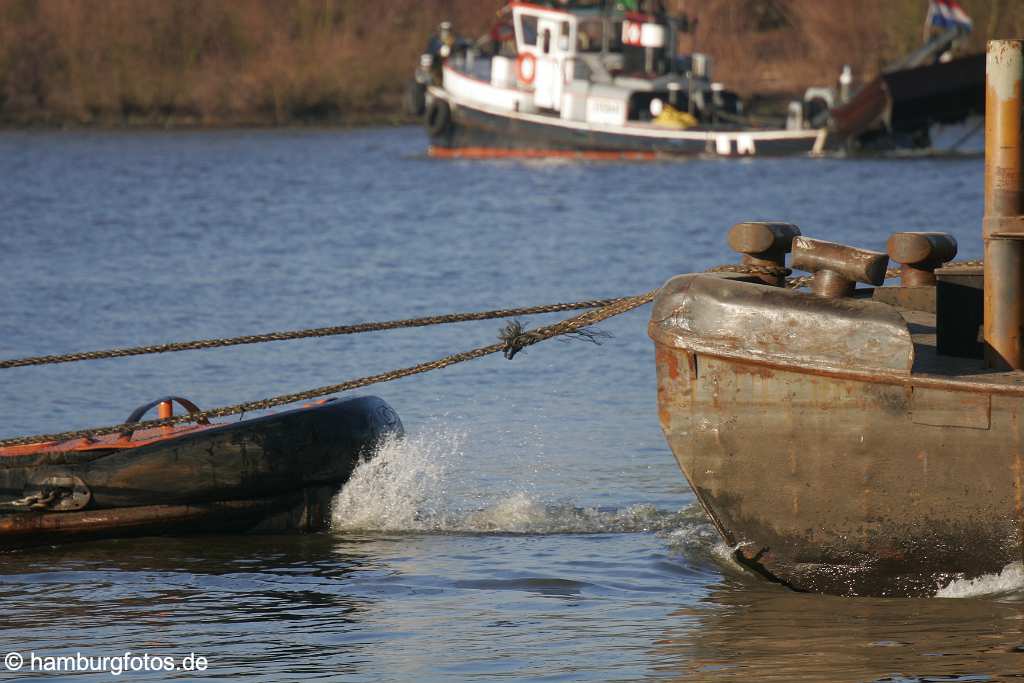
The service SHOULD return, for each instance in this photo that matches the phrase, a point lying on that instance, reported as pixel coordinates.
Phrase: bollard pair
(837, 268)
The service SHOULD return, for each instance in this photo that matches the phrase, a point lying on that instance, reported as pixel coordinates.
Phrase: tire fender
(439, 116)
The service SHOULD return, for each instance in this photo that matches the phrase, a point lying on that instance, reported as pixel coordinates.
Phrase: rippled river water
(534, 524)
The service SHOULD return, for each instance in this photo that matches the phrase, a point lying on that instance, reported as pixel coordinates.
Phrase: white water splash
(696, 533)
(403, 487)
(1009, 580)
(414, 484)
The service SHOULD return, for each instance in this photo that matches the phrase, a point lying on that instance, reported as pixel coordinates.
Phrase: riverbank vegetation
(277, 62)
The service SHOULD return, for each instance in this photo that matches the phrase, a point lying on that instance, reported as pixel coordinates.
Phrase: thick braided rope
(804, 280)
(302, 334)
(963, 264)
(358, 328)
(616, 307)
(750, 269)
(510, 346)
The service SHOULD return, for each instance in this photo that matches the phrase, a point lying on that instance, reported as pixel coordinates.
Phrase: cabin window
(563, 37)
(545, 41)
(589, 35)
(528, 29)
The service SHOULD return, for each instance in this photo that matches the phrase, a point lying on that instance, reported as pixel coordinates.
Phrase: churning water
(533, 523)
(419, 483)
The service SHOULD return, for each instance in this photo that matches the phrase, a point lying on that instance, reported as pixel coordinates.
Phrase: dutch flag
(949, 14)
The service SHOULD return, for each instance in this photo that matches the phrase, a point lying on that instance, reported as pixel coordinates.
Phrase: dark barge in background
(899, 108)
(861, 441)
(273, 473)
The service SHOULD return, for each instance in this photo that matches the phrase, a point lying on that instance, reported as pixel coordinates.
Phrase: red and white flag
(948, 14)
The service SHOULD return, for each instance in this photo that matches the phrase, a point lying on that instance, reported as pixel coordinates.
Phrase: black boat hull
(467, 130)
(277, 471)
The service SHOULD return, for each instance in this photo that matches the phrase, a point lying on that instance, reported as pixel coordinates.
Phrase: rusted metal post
(1004, 205)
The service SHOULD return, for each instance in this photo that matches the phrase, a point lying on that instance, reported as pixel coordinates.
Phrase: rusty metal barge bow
(861, 441)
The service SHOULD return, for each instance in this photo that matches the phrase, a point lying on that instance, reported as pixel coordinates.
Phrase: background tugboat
(586, 79)
(859, 441)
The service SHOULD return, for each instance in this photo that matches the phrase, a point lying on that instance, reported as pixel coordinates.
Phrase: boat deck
(927, 360)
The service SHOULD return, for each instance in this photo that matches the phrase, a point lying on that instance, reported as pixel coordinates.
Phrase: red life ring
(526, 68)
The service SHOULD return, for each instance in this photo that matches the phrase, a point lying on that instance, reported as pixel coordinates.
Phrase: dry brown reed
(193, 61)
(256, 62)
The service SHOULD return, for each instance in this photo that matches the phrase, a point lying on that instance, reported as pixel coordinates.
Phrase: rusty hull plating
(824, 434)
(832, 446)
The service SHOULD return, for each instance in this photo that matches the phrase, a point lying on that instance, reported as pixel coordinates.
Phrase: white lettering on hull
(604, 110)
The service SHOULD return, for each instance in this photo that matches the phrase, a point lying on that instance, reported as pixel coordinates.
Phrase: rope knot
(515, 338)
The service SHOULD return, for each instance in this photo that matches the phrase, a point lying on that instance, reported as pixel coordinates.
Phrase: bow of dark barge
(861, 441)
(273, 473)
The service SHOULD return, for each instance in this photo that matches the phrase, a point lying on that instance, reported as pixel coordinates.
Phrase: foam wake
(415, 484)
(1009, 580)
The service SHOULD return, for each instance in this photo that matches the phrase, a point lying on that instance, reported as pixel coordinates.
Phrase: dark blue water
(534, 525)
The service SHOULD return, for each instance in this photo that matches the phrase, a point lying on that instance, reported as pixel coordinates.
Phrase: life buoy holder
(439, 116)
(526, 68)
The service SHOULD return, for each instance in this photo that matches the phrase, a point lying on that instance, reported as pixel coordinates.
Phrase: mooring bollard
(1004, 205)
(838, 268)
(919, 254)
(764, 243)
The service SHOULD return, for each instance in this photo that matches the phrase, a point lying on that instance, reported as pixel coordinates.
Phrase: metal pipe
(914, 276)
(164, 411)
(830, 284)
(1004, 206)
